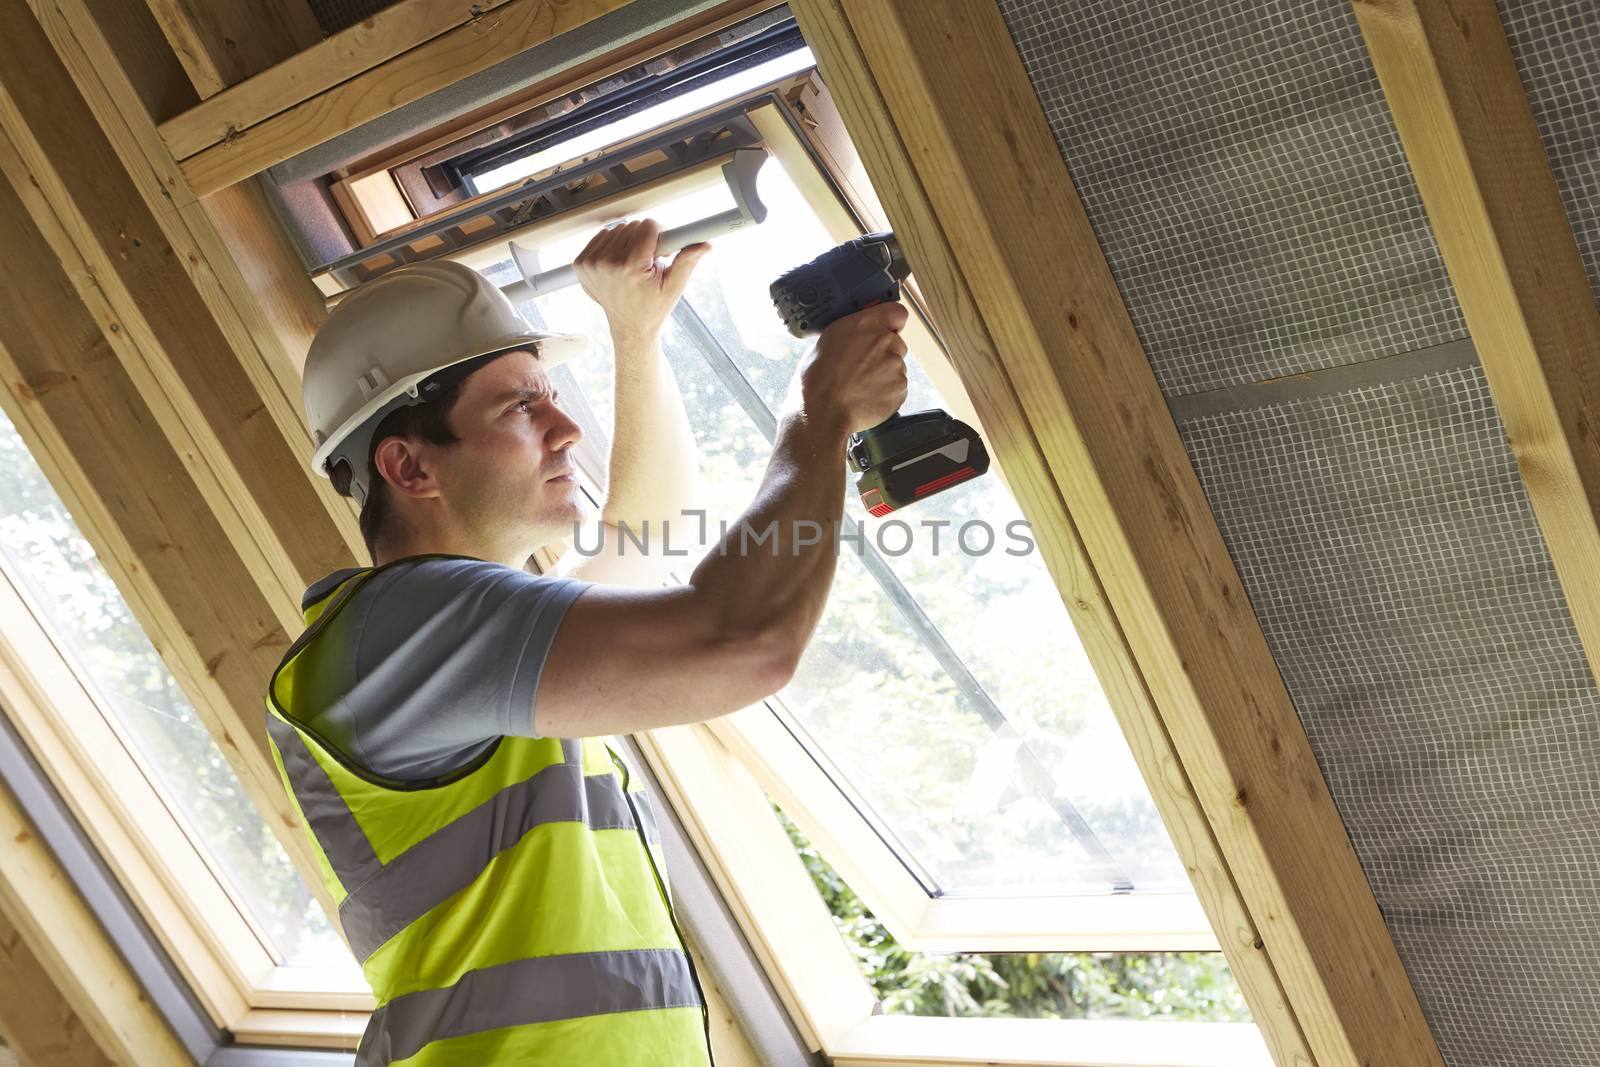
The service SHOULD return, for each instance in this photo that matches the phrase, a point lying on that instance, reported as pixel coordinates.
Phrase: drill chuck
(906, 457)
(841, 281)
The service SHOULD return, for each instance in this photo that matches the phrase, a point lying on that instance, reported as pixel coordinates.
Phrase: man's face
(510, 477)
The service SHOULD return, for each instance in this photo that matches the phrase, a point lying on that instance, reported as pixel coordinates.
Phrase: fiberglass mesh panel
(1245, 179)
(1247, 186)
(1387, 544)
(1556, 44)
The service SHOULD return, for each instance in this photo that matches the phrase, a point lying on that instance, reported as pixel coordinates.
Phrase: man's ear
(400, 462)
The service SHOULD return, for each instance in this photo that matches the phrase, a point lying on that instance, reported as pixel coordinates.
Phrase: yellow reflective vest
(511, 912)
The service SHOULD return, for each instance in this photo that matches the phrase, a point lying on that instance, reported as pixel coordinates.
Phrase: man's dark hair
(429, 420)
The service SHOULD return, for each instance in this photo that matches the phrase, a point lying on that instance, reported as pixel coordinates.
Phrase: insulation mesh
(1387, 543)
(1556, 44)
(1242, 173)
(1245, 179)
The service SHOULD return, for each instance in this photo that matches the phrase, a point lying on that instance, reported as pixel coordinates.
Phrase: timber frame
(136, 350)
(1469, 135)
(953, 137)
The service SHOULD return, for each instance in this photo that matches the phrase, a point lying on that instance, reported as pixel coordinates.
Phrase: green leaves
(1191, 986)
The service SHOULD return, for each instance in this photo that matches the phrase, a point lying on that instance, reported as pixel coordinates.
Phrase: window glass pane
(645, 120)
(46, 554)
(946, 690)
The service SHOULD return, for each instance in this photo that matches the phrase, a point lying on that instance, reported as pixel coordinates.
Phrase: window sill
(908, 1041)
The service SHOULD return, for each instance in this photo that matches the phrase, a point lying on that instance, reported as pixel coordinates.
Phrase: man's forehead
(517, 370)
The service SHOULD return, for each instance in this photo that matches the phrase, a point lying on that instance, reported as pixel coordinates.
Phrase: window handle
(748, 210)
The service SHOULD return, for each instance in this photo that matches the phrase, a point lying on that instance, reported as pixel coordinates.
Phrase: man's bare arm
(631, 659)
(654, 470)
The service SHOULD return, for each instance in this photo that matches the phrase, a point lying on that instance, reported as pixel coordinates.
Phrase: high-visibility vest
(512, 912)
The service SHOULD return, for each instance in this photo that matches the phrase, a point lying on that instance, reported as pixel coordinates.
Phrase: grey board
(1247, 186)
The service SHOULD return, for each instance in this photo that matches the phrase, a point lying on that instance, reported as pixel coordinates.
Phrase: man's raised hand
(636, 289)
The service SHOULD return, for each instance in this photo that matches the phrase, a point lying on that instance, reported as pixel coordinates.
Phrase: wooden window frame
(176, 887)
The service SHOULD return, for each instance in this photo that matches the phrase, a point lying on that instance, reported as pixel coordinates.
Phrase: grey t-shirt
(435, 658)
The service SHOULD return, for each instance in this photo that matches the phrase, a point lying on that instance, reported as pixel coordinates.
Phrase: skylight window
(646, 119)
(946, 693)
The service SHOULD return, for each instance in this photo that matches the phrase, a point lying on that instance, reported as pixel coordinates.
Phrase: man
(437, 722)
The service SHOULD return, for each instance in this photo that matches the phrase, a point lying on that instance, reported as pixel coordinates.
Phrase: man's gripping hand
(620, 270)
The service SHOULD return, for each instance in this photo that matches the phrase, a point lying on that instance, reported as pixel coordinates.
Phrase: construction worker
(439, 723)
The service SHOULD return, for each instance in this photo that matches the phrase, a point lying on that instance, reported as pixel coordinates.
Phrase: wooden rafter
(936, 98)
(49, 935)
(37, 1023)
(1458, 102)
(223, 42)
(131, 493)
(280, 118)
(89, 211)
(150, 416)
(352, 51)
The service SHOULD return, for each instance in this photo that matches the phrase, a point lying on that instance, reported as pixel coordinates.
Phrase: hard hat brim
(552, 349)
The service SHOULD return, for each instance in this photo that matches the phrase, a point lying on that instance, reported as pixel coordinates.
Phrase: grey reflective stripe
(647, 816)
(451, 858)
(341, 837)
(383, 899)
(539, 990)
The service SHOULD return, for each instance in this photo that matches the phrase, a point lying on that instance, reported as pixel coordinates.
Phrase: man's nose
(564, 432)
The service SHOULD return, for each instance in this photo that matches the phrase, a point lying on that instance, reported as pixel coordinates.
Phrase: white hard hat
(387, 337)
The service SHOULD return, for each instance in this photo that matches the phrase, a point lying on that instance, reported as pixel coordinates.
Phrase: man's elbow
(763, 664)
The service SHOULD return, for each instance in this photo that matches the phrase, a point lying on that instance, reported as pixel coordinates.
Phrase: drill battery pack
(912, 456)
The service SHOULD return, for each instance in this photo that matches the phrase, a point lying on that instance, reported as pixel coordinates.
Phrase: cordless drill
(905, 458)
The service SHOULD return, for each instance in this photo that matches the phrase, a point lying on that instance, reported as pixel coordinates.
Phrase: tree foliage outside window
(1183, 986)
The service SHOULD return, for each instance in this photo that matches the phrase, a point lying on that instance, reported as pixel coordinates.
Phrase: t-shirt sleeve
(449, 657)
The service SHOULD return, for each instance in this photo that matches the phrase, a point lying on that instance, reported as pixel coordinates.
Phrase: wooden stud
(352, 51)
(223, 42)
(263, 322)
(478, 44)
(1457, 100)
(40, 909)
(253, 476)
(953, 136)
(35, 1019)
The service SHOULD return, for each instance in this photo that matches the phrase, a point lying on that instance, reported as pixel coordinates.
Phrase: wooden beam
(956, 143)
(1458, 102)
(37, 1023)
(223, 42)
(271, 269)
(41, 911)
(379, 88)
(68, 387)
(710, 21)
(84, 114)
(391, 32)
(248, 469)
